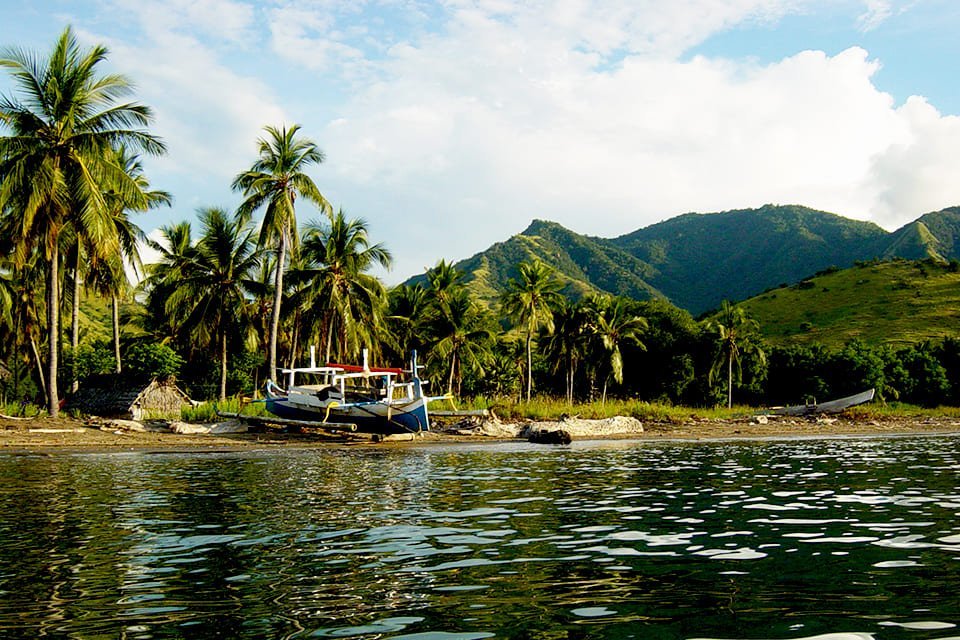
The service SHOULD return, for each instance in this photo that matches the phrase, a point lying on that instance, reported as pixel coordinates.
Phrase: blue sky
(449, 126)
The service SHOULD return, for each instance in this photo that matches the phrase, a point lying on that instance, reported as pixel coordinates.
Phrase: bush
(153, 360)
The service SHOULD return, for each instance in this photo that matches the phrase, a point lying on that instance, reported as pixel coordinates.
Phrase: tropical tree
(736, 335)
(111, 278)
(341, 298)
(407, 307)
(274, 183)
(26, 319)
(612, 326)
(213, 293)
(107, 273)
(459, 335)
(176, 251)
(64, 121)
(443, 281)
(565, 347)
(529, 301)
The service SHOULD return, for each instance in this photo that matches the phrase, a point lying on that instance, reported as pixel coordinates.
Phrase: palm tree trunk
(39, 361)
(453, 367)
(329, 336)
(730, 380)
(223, 366)
(529, 365)
(53, 328)
(115, 303)
(277, 298)
(75, 320)
(294, 339)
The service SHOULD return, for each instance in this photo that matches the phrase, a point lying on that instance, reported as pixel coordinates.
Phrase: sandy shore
(70, 435)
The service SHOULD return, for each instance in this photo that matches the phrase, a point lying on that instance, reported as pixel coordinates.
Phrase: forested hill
(696, 260)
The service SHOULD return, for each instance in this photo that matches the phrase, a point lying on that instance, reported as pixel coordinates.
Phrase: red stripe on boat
(353, 368)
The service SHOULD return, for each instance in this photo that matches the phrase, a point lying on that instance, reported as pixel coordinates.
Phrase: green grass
(17, 410)
(207, 411)
(543, 408)
(899, 302)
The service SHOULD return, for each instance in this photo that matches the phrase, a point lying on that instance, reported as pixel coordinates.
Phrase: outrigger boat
(373, 399)
(832, 406)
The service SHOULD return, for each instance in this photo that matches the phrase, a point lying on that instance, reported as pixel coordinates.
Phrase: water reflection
(801, 539)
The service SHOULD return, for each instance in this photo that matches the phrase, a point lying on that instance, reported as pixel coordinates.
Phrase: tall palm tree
(529, 301)
(107, 273)
(406, 314)
(176, 252)
(444, 280)
(63, 123)
(565, 346)
(736, 336)
(613, 326)
(212, 294)
(459, 334)
(275, 181)
(344, 301)
(129, 235)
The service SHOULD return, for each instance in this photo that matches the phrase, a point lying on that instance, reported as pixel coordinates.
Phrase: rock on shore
(576, 427)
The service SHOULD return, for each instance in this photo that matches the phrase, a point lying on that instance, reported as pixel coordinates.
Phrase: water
(847, 539)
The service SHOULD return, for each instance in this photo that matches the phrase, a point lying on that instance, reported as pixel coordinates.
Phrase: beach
(45, 435)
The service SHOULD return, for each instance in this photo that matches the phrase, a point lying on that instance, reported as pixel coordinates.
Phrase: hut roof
(112, 395)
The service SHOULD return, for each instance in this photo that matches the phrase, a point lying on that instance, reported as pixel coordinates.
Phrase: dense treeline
(240, 294)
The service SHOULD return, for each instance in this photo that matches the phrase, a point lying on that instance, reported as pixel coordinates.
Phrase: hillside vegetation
(899, 302)
(697, 260)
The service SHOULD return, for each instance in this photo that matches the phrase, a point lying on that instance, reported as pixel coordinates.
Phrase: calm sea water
(850, 539)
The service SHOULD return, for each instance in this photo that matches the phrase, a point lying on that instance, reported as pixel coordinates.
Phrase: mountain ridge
(696, 260)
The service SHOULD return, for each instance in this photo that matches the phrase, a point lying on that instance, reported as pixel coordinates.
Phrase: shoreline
(46, 436)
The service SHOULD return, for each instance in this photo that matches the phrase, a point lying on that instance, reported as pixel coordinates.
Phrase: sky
(449, 126)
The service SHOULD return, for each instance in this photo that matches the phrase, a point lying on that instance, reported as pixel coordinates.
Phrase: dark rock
(558, 436)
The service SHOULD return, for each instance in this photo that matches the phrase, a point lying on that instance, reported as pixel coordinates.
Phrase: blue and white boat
(371, 399)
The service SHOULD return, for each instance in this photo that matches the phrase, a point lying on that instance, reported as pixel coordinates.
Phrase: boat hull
(373, 417)
(833, 406)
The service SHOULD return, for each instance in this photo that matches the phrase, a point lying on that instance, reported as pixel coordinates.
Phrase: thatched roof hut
(120, 396)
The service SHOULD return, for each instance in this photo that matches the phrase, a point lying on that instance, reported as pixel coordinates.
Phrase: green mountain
(897, 302)
(703, 259)
(697, 260)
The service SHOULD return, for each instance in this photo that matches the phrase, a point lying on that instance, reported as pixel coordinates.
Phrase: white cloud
(918, 174)
(311, 38)
(875, 12)
(453, 132)
(226, 21)
(208, 112)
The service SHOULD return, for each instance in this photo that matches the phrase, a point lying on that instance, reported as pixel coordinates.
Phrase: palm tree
(128, 234)
(444, 280)
(344, 301)
(176, 252)
(63, 125)
(529, 301)
(275, 181)
(613, 326)
(26, 312)
(211, 295)
(406, 314)
(107, 273)
(565, 346)
(459, 334)
(736, 337)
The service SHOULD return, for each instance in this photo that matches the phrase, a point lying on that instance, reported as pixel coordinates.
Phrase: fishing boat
(372, 399)
(832, 406)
